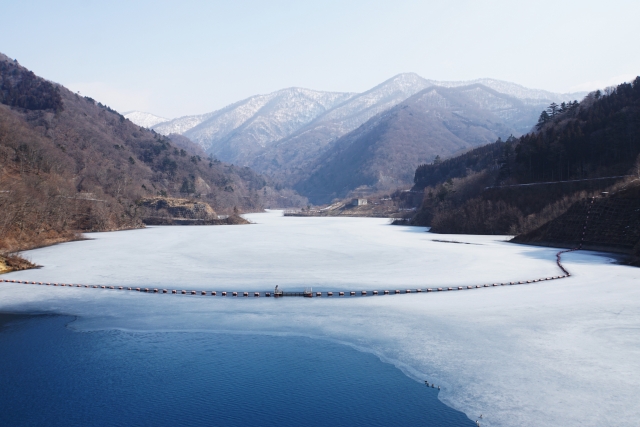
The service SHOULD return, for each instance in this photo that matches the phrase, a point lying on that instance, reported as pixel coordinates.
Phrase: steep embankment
(613, 225)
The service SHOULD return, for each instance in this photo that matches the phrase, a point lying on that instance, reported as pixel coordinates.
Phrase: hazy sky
(187, 57)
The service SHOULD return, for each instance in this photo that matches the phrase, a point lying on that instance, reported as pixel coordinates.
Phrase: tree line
(21, 88)
(598, 137)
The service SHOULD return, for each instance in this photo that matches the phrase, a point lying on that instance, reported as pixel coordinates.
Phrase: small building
(359, 202)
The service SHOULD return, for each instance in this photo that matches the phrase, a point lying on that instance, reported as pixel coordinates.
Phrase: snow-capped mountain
(277, 129)
(384, 152)
(241, 129)
(146, 120)
(285, 133)
(294, 152)
(526, 95)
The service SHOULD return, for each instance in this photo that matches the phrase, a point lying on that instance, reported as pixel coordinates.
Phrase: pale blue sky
(174, 58)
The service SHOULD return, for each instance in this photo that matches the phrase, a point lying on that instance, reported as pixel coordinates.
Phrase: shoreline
(79, 236)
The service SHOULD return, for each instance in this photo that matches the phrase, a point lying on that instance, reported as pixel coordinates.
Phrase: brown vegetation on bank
(13, 262)
(69, 164)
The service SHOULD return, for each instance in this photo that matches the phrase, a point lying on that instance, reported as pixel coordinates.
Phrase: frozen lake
(552, 353)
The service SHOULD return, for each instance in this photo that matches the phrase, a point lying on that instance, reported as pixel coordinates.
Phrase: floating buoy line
(286, 294)
(308, 293)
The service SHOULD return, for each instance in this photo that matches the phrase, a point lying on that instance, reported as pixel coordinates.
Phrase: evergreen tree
(544, 118)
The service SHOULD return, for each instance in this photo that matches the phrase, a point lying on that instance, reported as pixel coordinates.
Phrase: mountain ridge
(284, 133)
(383, 153)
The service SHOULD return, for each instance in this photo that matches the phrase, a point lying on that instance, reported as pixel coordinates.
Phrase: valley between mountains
(327, 144)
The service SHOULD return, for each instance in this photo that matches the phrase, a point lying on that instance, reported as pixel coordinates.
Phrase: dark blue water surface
(51, 375)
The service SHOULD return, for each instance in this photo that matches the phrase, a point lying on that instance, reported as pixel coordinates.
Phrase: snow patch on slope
(146, 120)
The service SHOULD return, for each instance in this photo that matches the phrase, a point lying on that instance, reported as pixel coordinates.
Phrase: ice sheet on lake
(552, 353)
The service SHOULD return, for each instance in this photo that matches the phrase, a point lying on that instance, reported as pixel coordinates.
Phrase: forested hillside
(69, 164)
(384, 152)
(577, 150)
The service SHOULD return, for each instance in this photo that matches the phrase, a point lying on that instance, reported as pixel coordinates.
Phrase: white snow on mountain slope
(314, 137)
(267, 118)
(258, 120)
(515, 112)
(290, 157)
(528, 96)
(264, 119)
(146, 120)
(361, 108)
(181, 124)
(295, 119)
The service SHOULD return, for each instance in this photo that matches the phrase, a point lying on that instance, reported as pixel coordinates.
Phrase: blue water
(51, 375)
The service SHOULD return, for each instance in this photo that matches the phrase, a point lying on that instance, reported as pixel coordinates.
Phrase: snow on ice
(563, 352)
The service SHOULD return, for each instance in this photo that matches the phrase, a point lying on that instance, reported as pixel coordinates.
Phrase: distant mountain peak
(527, 95)
(146, 120)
